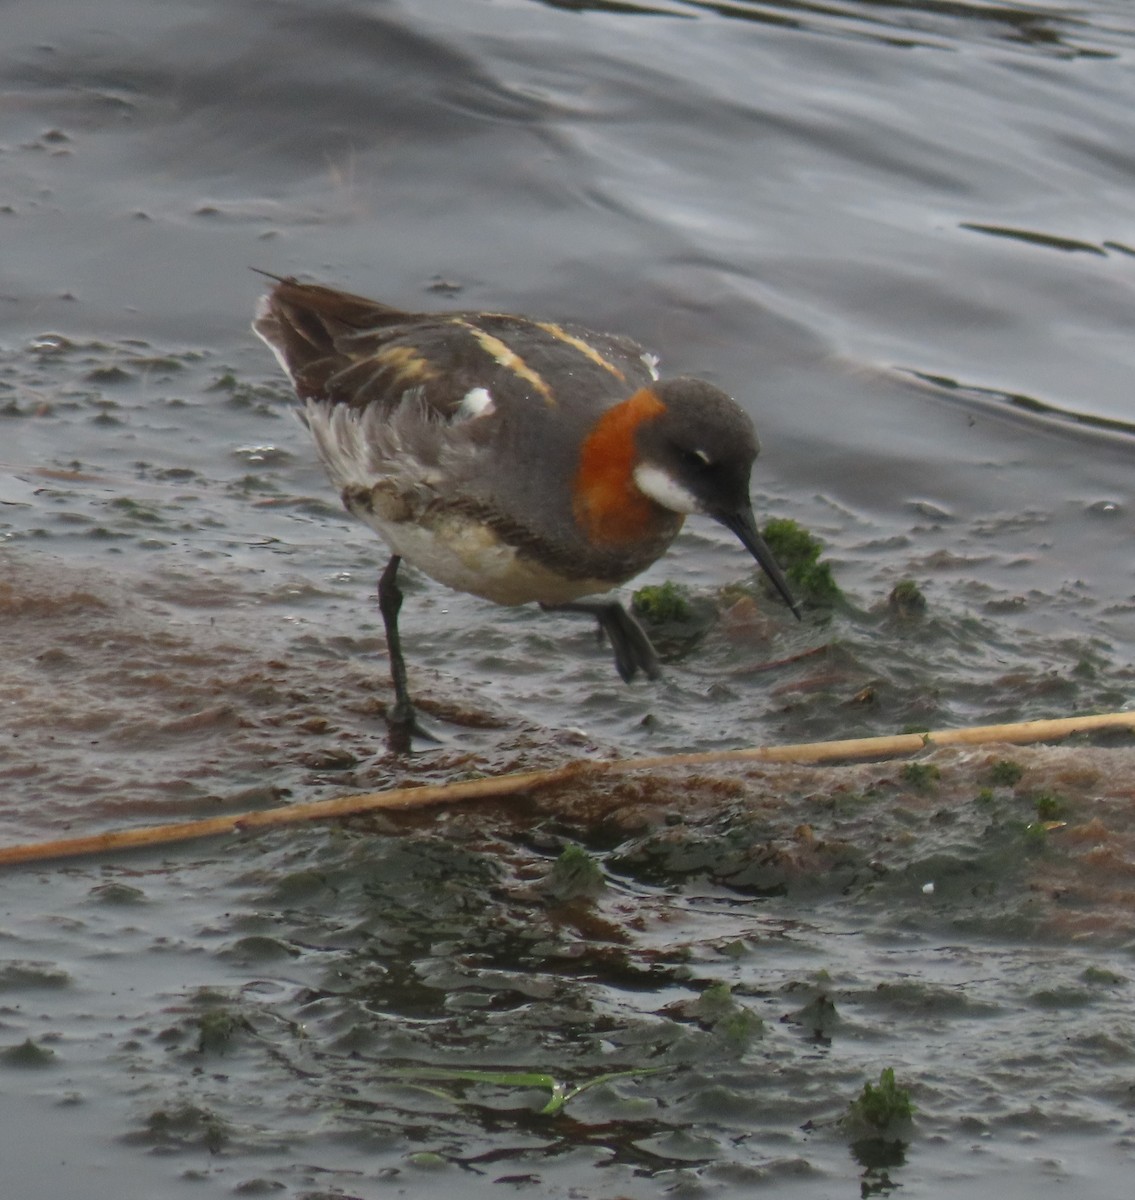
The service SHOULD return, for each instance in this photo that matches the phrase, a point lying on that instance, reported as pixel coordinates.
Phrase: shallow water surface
(901, 235)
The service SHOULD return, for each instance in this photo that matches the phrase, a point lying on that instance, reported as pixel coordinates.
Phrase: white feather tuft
(477, 402)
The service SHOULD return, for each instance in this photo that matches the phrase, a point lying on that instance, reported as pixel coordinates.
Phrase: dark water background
(903, 236)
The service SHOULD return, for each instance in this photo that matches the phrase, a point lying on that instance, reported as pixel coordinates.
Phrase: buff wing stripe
(407, 365)
(577, 343)
(506, 357)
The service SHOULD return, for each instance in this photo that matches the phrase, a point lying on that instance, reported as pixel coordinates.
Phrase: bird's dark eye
(695, 460)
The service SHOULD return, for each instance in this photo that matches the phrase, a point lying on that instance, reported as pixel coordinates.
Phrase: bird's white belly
(469, 557)
(397, 492)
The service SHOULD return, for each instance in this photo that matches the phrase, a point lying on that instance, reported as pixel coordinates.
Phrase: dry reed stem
(509, 785)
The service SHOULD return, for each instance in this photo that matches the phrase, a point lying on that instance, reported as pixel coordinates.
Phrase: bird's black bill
(744, 525)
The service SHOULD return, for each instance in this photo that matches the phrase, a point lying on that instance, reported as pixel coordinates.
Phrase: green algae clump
(662, 603)
(798, 553)
(881, 1112)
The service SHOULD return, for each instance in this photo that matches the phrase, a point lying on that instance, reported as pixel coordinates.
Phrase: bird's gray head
(696, 456)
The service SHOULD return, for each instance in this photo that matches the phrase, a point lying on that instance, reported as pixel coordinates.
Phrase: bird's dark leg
(633, 651)
(402, 718)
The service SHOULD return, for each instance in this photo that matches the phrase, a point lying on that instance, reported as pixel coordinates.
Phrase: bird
(516, 459)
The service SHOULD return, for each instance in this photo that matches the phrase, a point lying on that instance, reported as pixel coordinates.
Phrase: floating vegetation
(242, 393)
(798, 553)
(217, 1029)
(906, 599)
(18, 974)
(1049, 806)
(922, 776)
(186, 1126)
(1005, 773)
(819, 1017)
(1103, 977)
(561, 1093)
(881, 1112)
(575, 875)
(658, 603)
(27, 1054)
(676, 618)
(717, 1009)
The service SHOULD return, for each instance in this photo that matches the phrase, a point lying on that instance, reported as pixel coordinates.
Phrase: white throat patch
(664, 489)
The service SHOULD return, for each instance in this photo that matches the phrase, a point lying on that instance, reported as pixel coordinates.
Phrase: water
(902, 236)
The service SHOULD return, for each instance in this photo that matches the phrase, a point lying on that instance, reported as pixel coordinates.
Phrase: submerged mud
(668, 980)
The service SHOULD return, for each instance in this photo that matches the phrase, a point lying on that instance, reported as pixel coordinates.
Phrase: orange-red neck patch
(608, 506)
